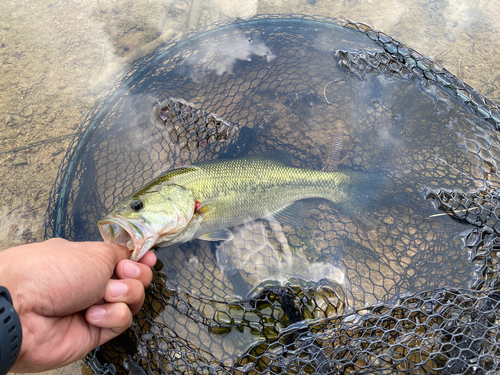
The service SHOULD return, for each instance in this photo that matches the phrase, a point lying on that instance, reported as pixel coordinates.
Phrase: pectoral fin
(217, 235)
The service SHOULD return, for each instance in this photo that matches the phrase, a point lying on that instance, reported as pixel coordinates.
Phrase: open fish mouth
(118, 231)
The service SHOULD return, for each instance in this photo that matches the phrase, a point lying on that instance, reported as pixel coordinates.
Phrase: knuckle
(57, 241)
(136, 291)
(124, 315)
(148, 275)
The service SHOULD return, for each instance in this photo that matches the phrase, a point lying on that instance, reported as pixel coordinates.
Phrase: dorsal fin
(282, 157)
(332, 159)
(166, 177)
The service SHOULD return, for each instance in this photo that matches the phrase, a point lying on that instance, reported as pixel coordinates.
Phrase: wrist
(8, 276)
(9, 280)
(10, 332)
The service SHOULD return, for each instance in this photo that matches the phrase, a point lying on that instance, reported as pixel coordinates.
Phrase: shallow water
(59, 57)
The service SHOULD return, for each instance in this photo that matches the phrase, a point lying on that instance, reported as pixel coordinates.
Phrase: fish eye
(136, 205)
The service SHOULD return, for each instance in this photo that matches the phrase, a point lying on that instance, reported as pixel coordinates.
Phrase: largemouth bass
(204, 200)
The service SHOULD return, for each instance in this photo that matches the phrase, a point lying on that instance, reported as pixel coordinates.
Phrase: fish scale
(247, 189)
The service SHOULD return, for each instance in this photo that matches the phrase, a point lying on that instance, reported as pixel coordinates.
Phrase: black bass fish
(203, 200)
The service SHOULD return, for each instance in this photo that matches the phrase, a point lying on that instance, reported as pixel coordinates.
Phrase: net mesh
(412, 289)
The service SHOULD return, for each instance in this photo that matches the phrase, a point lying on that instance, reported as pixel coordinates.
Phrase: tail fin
(365, 195)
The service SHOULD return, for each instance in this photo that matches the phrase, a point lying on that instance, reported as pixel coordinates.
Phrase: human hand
(67, 300)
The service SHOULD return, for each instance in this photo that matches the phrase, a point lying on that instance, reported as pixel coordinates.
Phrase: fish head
(140, 220)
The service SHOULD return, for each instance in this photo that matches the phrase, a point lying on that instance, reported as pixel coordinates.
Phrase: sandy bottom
(58, 57)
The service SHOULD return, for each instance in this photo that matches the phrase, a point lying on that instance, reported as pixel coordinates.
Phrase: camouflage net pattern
(410, 290)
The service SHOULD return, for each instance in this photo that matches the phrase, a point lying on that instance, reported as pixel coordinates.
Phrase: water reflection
(205, 58)
(261, 261)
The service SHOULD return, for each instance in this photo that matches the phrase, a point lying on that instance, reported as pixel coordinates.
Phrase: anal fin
(292, 215)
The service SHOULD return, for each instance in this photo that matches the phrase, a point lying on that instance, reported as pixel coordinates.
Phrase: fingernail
(117, 288)
(97, 313)
(130, 270)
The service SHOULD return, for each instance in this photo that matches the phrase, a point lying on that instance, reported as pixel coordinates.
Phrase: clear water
(58, 58)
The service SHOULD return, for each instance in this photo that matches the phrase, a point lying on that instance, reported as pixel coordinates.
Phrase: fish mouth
(116, 230)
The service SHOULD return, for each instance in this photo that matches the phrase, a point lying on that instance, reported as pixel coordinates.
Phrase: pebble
(15, 120)
(450, 37)
(20, 160)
